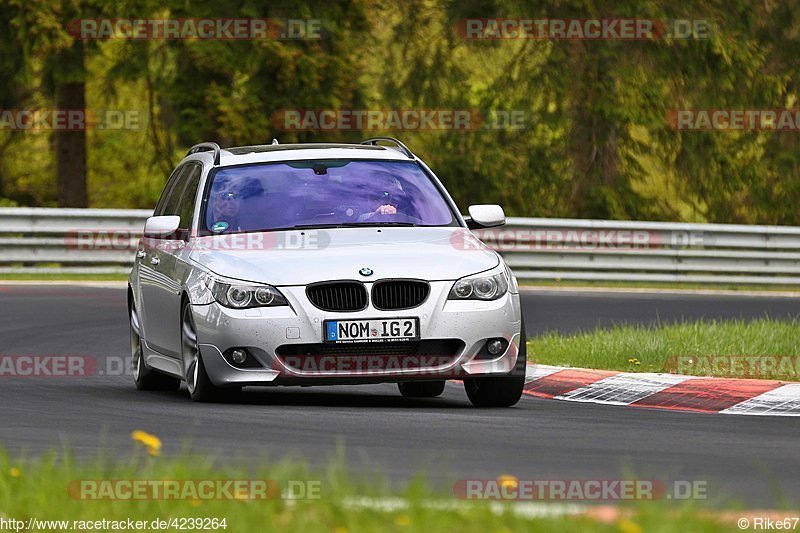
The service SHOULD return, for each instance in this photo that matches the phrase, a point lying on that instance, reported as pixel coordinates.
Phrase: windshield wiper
(331, 225)
(402, 224)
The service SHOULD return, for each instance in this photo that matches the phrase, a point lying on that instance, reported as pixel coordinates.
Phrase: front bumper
(265, 331)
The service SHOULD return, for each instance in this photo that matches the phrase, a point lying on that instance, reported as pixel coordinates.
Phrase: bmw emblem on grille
(365, 271)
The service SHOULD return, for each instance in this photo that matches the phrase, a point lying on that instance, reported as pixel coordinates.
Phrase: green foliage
(655, 348)
(50, 488)
(595, 142)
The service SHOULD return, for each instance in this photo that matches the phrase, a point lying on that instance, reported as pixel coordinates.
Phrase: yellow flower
(15, 472)
(508, 483)
(151, 442)
(626, 526)
(340, 529)
(194, 502)
(403, 520)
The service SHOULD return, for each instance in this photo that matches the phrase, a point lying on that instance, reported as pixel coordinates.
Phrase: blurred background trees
(595, 141)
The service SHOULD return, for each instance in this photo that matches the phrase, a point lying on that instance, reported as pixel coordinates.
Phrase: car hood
(303, 257)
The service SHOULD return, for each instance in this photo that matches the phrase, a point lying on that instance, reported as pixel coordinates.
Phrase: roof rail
(403, 148)
(204, 147)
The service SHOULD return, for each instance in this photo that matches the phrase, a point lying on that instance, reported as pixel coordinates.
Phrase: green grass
(764, 348)
(37, 488)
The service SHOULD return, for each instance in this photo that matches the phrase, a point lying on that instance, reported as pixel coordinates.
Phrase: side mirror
(485, 216)
(161, 227)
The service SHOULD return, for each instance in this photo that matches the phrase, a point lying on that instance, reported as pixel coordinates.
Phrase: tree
(42, 27)
(66, 68)
(14, 91)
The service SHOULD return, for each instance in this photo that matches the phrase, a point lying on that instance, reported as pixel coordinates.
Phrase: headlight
(245, 296)
(480, 288)
(513, 286)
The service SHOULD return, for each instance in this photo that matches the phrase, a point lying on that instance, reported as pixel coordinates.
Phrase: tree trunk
(70, 145)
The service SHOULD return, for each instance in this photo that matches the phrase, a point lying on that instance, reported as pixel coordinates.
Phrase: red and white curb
(664, 391)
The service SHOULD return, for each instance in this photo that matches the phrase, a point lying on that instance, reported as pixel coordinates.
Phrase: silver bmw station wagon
(321, 264)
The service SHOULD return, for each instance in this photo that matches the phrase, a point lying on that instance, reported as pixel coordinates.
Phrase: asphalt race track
(568, 311)
(748, 459)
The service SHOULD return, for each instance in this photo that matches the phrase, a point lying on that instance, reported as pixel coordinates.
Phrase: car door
(173, 266)
(155, 267)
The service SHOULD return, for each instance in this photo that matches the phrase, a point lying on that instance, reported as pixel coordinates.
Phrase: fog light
(239, 356)
(494, 346)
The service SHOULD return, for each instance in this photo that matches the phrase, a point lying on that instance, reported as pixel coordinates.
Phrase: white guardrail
(34, 240)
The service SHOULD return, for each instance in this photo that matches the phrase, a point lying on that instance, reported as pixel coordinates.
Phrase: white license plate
(375, 330)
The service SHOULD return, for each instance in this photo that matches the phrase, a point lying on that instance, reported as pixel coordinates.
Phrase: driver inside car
(232, 206)
(225, 210)
(385, 200)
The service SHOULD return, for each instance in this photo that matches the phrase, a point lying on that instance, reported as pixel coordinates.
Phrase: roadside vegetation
(563, 128)
(39, 489)
(764, 348)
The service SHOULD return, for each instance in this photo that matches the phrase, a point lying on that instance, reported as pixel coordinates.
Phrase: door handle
(140, 254)
(154, 261)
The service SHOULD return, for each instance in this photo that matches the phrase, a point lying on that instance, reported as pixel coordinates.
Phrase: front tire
(146, 378)
(501, 391)
(200, 387)
(421, 389)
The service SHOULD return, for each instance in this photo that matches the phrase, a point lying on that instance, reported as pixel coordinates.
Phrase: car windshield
(323, 193)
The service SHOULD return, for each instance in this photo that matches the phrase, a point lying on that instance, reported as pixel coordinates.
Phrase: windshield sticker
(219, 227)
